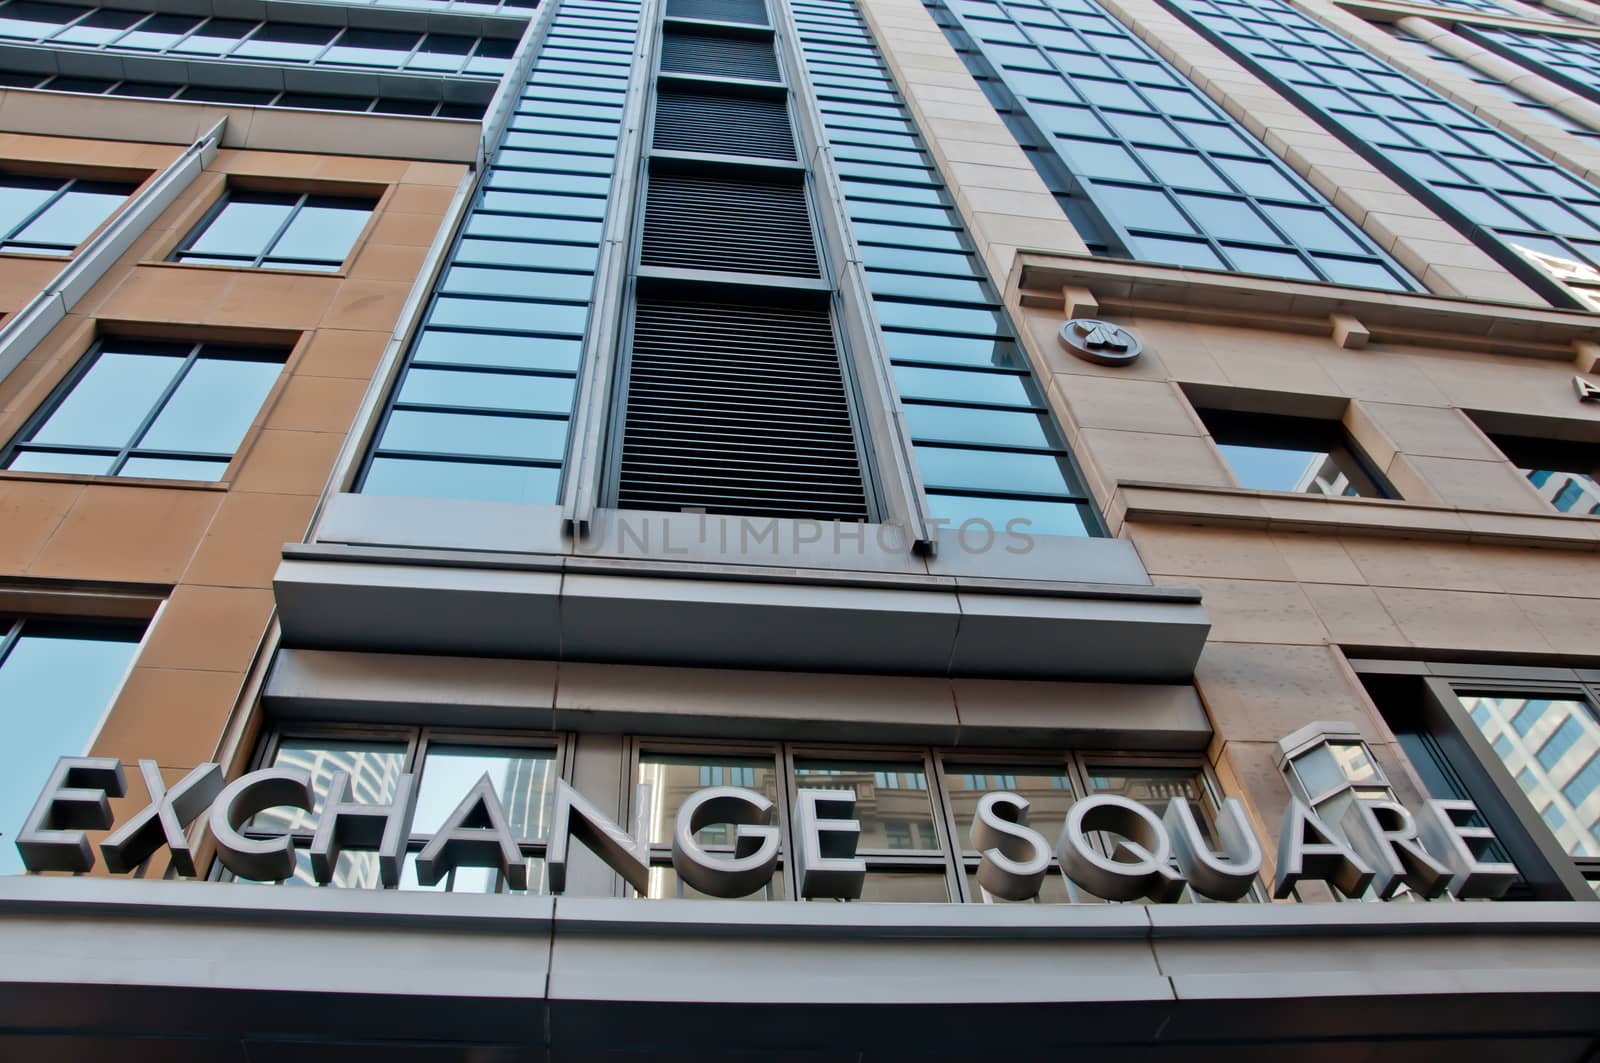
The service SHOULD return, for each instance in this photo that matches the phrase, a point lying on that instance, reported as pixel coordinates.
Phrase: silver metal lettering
(627, 855)
(828, 863)
(1307, 849)
(1139, 866)
(1385, 836)
(474, 834)
(262, 859)
(164, 820)
(1224, 876)
(755, 842)
(1444, 831)
(74, 800)
(1015, 856)
(349, 824)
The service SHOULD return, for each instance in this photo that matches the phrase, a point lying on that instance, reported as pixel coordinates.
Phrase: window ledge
(1382, 517)
(558, 607)
(1305, 307)
(977, 980)
(340, 274)
(119, 481)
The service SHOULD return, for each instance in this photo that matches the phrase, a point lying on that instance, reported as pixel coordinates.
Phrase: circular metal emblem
(1100, 342)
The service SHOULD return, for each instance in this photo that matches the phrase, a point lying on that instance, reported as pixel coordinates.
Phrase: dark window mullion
(155, 410)
(283, 227)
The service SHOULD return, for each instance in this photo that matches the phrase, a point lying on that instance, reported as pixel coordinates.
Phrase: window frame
(955, 858)
(67, 182)
(952, 863)
(21, 441)
(1429, 695)
(261, 261)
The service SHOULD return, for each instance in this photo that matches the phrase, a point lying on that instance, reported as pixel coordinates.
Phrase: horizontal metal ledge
(639, 617)
(85, 957)
(340, 686)
(1302, 306)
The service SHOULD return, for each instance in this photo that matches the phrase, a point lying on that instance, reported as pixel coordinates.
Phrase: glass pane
(374, 768)
(107, 405)
(955, 385)
(991, 470)
(892, 800)
(492, 349)
(20, 197)
(351, 871)
(1154, 787)
(480, 435)
(213, 406)
(459, 479)
(1273, 468)
(524, 779)
(905, 886)
(475, 879)
(1047, 788)
(287, 41)
(960, 425)
(488, 391)
(1052, 891)
(371, 48)
(216, 37)
(1334, 765)
(664, 882)
(323, 231)
(70, 219)
(675, 776)
(1552, 747)
(1011, 515)
(173, 469)
(57, 461)
(55, 684)
(244, 226)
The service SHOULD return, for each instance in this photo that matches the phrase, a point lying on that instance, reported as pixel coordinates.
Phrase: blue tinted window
(1172, 176)
(483, 409)
(162, 410)
(278, 231)
(1556, 746)
(52, 215)
(1533, 217)
(56, 680)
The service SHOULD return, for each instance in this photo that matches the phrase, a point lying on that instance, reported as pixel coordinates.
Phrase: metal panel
(725, 57)
(738, 409)
(722, 125)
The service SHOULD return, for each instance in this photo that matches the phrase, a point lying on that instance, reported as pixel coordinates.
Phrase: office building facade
(800, 529)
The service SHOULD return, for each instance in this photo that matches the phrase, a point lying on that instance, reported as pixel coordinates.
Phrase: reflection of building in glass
(374, 773)
(525, 791)
(1570, 492)
(1552, 748)
(1324, 477)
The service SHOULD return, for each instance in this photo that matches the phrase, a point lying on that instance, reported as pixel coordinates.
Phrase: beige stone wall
(1295, 584)
(203, 555)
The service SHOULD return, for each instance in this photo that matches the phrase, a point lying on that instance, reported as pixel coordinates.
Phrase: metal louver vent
(717, 223)
(722, 57)
(748, 12)
(723, 125)
(739, 410)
